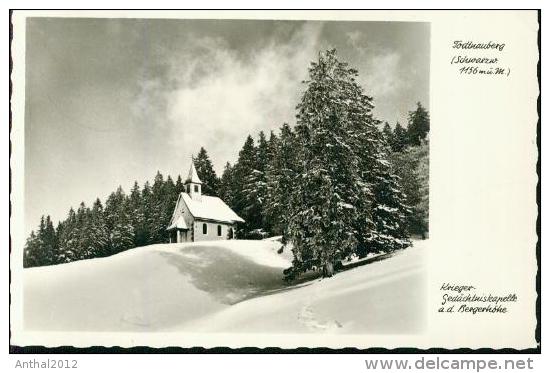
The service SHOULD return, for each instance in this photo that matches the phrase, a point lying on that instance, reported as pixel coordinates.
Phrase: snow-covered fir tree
(419, 125)
(400, 138)
(49, 240)
(136, 210)
(157, 221)
(179, 186)
(387, 133)
(412, 167)
(246, 174)
(41, 247)
(118, 222)
(345, 199)
(99, 234)
(86, 244)
(423, 175)
(227, 188)
(258, 182)
(68, 239)
(389, 210)
(31, 253)
(169, 199)
(281, 175)
(146, 205)
(328, 191)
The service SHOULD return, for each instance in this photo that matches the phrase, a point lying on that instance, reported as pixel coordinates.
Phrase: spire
(193, 184)
(193, 177)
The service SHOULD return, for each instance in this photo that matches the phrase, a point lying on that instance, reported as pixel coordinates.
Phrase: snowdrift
(150, 288)
(222, 286)
(382, 295)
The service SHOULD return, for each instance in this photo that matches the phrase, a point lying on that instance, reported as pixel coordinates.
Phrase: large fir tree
(345, 200)
(326, 199)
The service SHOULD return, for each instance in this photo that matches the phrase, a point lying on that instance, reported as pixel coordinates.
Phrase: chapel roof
(178, 224)
(210, 208)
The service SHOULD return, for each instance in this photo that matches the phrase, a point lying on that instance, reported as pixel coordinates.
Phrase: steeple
(193, 184)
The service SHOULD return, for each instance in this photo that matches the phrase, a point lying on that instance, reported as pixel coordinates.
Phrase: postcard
(275, 179)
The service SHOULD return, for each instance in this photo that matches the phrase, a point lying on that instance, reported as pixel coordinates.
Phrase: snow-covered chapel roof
(193, 177)
(210, 208)
(179, 224)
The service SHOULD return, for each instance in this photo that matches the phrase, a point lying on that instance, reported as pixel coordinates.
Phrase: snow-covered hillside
(223, 286)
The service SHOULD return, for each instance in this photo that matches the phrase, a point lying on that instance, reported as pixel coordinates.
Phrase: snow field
(233, 286)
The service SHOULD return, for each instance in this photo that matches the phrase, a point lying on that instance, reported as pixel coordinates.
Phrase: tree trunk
(328, 269)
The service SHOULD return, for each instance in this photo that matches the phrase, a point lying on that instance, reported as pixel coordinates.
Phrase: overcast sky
(110, 101)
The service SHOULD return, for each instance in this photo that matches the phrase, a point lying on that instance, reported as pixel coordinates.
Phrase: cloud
(353, 38)
(383, 74)
(382, 71)
(207, 93)
(214, 97)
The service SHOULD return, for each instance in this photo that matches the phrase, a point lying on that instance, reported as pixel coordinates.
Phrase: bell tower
(193, 184)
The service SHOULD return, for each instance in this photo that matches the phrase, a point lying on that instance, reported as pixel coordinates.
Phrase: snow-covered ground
(223, 286)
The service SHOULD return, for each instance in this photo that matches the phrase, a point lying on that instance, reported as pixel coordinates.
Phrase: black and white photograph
(272, 179)
(226, 175)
